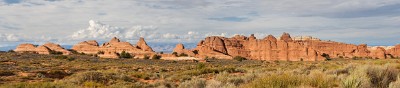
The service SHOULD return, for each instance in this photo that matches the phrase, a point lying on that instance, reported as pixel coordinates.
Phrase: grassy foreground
(77, 71)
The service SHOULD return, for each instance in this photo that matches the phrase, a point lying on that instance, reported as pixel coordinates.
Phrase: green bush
(239, 58)
(55, 52)
(61, 57)
(146, 57)
(11, 51)
(71, 59)
(175, 54)
(73, 51)
(183, 55)
(200, 66)
(156, 57)
(195, 51)
(6, 73)
(124, 54)
(102, 52)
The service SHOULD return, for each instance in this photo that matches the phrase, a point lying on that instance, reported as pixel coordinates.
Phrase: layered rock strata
(47, 48)
(283, 49)
(114, 47)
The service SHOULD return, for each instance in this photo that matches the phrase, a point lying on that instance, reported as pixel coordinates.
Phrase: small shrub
(73, 51)
(200, 66)
(6, 73)
(277, 81)
(195, 51)
(183, 55)
(156, 57)
(124, 54)
(71, 59)
(239, 58)
(102, 52)
(61, 57)
(11, 51)
(175, 54)
(55, 52)
(146, 57)
(381, 77)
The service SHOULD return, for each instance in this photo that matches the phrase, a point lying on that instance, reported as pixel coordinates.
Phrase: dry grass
(54, 71)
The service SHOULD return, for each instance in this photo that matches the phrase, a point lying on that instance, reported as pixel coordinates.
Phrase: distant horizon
(159, 44)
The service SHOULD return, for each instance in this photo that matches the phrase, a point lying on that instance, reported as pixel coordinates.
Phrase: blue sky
(375, 22)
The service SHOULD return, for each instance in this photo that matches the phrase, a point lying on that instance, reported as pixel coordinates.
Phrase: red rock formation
(25, 48)
(179, 49)
(57, 48)
(114, 46)
(43, 49)
(284, 49)
(379, 53)
(88, 47)
(395, 51)
(143, 45)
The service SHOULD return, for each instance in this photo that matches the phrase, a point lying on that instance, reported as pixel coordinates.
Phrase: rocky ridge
(285, 49)
(114, 47)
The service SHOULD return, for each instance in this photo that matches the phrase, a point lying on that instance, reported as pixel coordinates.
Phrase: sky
(67, 22)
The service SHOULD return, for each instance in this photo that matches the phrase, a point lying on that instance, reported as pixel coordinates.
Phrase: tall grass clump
(94, 77)
(381, 76)
(285, 80)
(319, 79)
(371, 76)
(194, 83)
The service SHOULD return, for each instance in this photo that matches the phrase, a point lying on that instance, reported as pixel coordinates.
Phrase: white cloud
(9, 38)
(98, 30)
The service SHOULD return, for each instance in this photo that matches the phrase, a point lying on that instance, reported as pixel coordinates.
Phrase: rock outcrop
(284, 49)
(57, 48)
(113, 47)
(394, 52)
(143, 45)
(179, 49)
(47, 48)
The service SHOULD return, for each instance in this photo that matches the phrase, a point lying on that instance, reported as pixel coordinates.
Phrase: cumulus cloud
(98, 30)
(9, 38)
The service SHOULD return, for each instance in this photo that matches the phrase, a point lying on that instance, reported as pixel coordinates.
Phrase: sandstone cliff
(284, 49)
